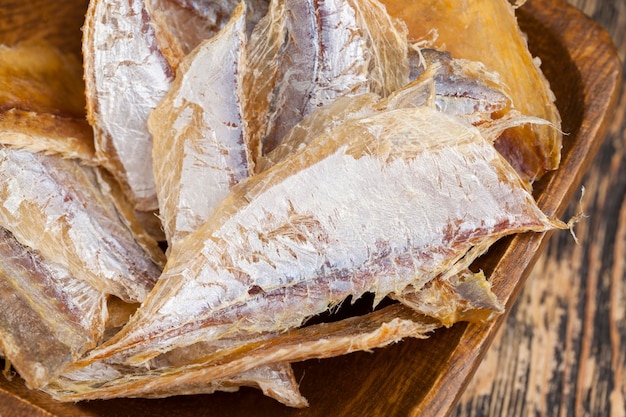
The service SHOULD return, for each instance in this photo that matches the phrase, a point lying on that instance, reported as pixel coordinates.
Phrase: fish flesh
(69, 214)
(126, 75)
(198, 131)
(377, 329)
(305, 54)
(181, 25)
(456, 87)
(287, 244)
(48, 317)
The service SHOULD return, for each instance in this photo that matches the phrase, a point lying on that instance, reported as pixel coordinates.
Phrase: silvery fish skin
(455, 87)
(415, 194)
(377, 329)
(66, 212)
(126, 76)
(199, 151)
(305, 54)
(48, 318)
(181, 25)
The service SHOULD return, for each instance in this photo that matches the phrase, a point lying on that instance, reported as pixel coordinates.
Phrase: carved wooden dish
(414, 377)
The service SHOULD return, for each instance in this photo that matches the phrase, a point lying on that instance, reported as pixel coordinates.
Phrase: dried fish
(199, 151)
(415, 194)
(456, 87)
(487, 31)
(126, 76)
(67, 213)
(377, 329)
(304, 55)
(48, 318)
(181, 25)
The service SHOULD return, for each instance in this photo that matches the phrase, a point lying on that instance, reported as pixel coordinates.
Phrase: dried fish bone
(416, 194)
(126, 76)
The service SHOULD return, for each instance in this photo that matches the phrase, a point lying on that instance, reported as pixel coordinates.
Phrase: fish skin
(198, 132)
(48, 318)
(59, 207)
(378, 329)
(277, 252)
(306, 54)
(456, 87)
(126, 75)
(181, 25)
(487, 31)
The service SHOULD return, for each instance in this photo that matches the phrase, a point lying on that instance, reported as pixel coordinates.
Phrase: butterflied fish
(415, 194)
(455, 87)
(48, 318)
(487, 31)
(377, 329)
(199, 151)
(181, 25)
(305, 54)
(126, 76)
(66, 212)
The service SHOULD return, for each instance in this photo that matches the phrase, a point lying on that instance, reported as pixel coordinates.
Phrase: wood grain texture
(562, 350)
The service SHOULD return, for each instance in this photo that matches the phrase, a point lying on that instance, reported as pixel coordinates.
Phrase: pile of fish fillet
(244, 167)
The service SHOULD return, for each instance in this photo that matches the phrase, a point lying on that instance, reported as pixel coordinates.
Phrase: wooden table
(562, 351)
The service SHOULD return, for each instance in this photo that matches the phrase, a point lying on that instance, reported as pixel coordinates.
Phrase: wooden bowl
(414, 377)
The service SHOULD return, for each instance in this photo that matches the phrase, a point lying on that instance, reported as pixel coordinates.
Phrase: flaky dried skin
(306, 54)
(48, 318)
(199, 151)
(325, 340)
(465, 296)
(487, 31)
(456, 87)
(414, 194)
(61, 209)
(182, 25)
(126, 76)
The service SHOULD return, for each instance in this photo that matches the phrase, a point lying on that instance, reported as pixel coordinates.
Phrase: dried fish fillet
(198, 129)
(377, 329)
(126, 76)
(455, 87)
(198, 132)
(415, 194)
(487, 31)
(48, 318)
(305, 54)
(62, 209)
(181, 25)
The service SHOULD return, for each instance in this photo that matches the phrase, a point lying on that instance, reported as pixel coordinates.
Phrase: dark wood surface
(559, 352)
(562, 350)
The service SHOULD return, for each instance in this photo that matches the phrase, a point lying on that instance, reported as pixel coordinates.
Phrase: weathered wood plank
(562, 351)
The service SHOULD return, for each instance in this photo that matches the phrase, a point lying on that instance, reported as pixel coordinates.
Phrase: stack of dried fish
(294, 154)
